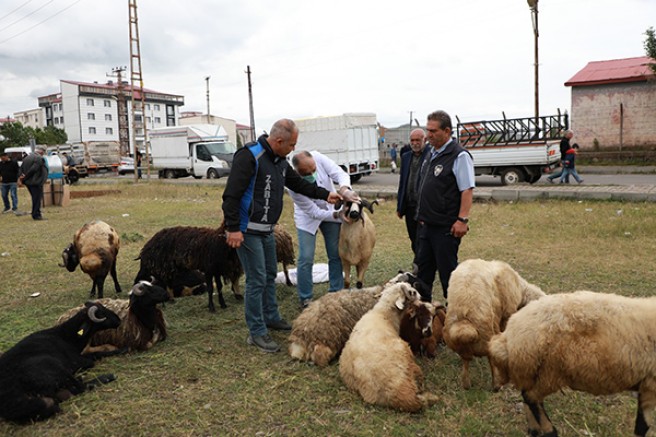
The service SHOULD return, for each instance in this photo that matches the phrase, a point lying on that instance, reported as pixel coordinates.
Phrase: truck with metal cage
(514, 149)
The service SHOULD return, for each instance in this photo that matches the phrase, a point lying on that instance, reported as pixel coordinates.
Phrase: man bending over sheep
(312, 215)
(252, 204)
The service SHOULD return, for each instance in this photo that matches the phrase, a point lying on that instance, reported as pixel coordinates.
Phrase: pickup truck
(514, 149)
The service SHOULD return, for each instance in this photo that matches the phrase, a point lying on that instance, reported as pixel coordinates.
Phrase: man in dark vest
(446, 191)
(252, 204)
(34, 173)
(406, 199)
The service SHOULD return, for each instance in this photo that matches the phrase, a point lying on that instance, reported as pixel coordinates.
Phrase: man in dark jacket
(9, 175)
(34, 173)
(564, 147)
(252, 204)
(446, 192)
(406, 199)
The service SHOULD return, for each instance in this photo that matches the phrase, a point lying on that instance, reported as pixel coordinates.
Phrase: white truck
(515, 149)
(201, 150)
(351, 140)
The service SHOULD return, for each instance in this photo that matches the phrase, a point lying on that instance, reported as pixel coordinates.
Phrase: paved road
(392, 179)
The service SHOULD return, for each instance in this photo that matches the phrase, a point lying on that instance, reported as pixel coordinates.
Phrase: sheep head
(101, 317)
(70, 258)
(400, 295)
(353, 210)
(148, 293)
(422, 313)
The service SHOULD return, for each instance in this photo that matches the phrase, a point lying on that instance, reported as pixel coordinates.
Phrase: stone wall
(597, 114)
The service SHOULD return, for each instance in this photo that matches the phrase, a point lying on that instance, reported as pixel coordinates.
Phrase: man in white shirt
(312, 215)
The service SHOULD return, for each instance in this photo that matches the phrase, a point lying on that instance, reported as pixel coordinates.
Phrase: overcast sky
(472, 58)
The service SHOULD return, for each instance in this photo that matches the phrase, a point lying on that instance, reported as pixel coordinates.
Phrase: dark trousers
(411, 226)
(36, 192)
(437, 251)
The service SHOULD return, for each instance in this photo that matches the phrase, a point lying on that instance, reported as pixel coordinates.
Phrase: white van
(18, 153)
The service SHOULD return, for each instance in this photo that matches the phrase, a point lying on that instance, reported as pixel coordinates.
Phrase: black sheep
(38, 372)
(174, 251)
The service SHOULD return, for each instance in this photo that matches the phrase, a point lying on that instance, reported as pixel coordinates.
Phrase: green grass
(205, 380)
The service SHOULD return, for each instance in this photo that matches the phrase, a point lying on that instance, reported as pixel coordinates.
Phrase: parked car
(126, 165)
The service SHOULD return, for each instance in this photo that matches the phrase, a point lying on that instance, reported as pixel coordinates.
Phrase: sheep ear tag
(399, 303)
(83, 329)
(80, 332)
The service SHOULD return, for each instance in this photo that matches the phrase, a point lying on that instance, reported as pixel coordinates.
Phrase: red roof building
(614, 104)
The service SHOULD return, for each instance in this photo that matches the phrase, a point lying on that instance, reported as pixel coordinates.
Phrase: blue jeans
(306, 247)
(257, 254)
(567, 172)
(10, 188)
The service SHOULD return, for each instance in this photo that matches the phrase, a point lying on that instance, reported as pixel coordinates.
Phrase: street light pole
(533, 4)
(207, 80)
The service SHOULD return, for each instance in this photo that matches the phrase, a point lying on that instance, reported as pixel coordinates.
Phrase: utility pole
(121, 111)
(138, 95)
(533, 4)
(250, 102)
(207, 80)
(409, 127)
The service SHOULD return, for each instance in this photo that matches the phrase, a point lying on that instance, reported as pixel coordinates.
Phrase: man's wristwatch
(465, 220)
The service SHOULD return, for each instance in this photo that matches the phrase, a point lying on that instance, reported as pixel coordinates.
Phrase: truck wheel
(169, 174)
(511, 176)
(533, 179)
(355, 178)
(212, 174)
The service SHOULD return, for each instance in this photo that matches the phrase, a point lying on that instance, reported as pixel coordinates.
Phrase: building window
(107, 103)
(56, 120)
(89, 102)
(108, 117)
(158, 120)
(60, 107)
(147, 120)
(148, 106)
(156, 107)
(91, 116)
(92, 130)
(109, 131)
(170, 115)
(138, 118)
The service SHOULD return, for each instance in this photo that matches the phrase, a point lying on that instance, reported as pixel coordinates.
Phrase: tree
(650, 47)
(14, 135)
(50, 136)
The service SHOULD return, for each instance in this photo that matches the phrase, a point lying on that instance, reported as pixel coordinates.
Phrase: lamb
(482, 296)
(421, 327)
(284, 250)
(592, 342)
(377, 363)
(321, 330)
(173, 251)
(357, 238)
(142, 322)
(187, 283)
(95, 248)
(38, 372)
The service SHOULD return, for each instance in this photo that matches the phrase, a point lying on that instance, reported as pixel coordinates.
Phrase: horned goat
(357, 237)
(38, 372)
(377, 363)
(482, 297)
(142, 322)
(95, 248)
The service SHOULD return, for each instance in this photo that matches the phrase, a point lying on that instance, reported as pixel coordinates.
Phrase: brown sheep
(284, 250)
(421, 327)
(95, 248)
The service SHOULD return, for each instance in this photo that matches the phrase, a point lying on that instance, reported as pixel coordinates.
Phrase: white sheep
(357, 237)
(95, 248)
(592, 342)
(321, 330)
(482, 296)
(377, 363)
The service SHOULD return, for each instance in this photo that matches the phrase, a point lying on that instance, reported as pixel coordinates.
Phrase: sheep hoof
(358, 284)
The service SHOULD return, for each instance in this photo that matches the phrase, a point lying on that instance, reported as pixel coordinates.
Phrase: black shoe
(280, 325)
(264, 343)
(40, 218)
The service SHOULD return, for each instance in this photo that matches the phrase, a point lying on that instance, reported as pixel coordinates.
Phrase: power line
(28, 15)
(41, 22)
(11, 12)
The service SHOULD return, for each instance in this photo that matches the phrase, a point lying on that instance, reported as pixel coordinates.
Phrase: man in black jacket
(446, 192)
(34, 173)
(564, 147)
(252, 204)
(9, 175)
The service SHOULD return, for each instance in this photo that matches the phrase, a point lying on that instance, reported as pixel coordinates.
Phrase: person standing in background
(34, 173)
(406, 199)
(9, 174)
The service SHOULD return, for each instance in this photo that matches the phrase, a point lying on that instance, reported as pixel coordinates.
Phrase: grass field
(205, 380)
